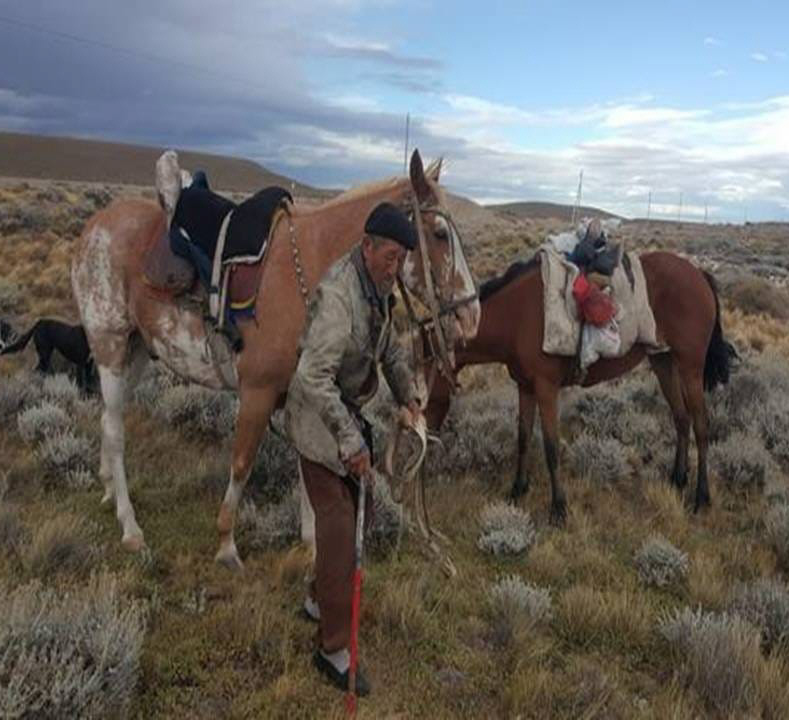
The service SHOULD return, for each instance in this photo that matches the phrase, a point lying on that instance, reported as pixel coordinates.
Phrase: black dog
(50, 335)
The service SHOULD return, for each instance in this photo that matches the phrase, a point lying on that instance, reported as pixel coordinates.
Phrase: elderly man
(348, 333)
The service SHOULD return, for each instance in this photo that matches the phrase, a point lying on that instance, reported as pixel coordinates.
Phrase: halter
(430, 329)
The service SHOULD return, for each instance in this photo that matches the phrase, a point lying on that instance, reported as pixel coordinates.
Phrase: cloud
(712, 41)
(759, 57)
(375, 52)
(720, 72)
(779, 55)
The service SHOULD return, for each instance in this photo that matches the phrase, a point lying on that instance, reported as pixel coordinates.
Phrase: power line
(150, 57)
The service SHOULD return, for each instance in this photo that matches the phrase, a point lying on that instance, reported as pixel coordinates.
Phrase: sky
(685, 102)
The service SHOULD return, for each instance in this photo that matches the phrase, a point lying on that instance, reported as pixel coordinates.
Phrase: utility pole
(705, 213)
(405, 152)
(577, 205)
(679, 213)
(649, 205)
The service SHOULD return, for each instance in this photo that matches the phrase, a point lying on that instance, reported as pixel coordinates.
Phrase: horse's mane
(515, 270)
(354, 193)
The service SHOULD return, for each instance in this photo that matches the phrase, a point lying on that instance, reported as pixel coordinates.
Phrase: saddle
(217, 241)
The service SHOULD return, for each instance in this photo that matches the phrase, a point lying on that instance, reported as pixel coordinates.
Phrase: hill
(543, 210)
(42, 157)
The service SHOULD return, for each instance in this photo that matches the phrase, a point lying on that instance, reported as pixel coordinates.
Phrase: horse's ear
(434, 169)
(418, 180)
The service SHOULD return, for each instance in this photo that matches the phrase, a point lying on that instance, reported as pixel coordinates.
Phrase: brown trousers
(333, 500)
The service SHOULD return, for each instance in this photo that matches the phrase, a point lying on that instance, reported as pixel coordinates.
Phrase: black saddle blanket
(200, 212)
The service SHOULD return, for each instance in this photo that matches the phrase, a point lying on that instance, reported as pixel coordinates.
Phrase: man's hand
(359, 464)
(412, 412)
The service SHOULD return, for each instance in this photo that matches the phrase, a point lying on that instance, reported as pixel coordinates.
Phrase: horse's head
(437, 271)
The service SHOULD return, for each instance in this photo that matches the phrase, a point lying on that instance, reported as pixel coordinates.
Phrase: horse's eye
(442, 234)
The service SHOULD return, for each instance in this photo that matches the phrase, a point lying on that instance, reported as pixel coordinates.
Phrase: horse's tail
(720, 352)
(21, 342)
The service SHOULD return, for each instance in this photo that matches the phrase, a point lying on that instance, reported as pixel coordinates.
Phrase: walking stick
(350, 700)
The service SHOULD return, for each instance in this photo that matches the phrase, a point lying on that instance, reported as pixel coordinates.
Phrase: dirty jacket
(348, 333)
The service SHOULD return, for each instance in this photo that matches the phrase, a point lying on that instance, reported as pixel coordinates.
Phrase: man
(348, 333)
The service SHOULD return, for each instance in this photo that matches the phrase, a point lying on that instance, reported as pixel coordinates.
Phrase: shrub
(600, 459)
(753, 295)
(17, 392)
(42, 421)
(65, 452)
(198, 409)
(479, 435)
(660, 563)
(61, 390)
(516, 607)
(506, 530)
(777, 528)
(10, 296)
(387, 519)
(60, 544)
(73, 655)
(719, 656)
(765, 605)
(742, 462)
(12, 532)
(274, 526)
(772, 420)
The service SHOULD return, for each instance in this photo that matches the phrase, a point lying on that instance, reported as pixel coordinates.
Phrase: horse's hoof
(107, 498)
(701, 504)
(230, 560)
(558, 515)
(133, 543)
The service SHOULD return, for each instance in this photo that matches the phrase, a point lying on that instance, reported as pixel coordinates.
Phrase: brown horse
(126, 322)
(685, 304)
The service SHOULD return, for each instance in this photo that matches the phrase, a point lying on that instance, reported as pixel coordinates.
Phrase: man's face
(384, 258)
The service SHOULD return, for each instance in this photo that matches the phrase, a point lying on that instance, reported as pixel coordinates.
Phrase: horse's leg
(527, 405)
(693, 385)
(548, 401)
(253, 416)
(112, 470)
(665, 368)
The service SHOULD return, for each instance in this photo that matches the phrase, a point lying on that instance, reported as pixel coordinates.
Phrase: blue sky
(679, 98)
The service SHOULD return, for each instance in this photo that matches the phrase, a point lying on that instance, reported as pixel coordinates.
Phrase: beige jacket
(347, 334)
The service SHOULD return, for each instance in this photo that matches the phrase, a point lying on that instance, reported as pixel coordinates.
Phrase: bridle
(428, 332)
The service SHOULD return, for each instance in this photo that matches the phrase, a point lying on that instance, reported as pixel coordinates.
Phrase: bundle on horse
(49, 335)
(686, 311)
(127, 321)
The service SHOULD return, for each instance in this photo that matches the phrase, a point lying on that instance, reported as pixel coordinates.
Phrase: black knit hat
(388, 221)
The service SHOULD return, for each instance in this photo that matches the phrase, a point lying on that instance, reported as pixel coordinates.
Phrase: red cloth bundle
(595, 306)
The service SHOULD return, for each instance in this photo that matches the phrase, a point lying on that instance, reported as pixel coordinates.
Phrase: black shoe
(338, 679)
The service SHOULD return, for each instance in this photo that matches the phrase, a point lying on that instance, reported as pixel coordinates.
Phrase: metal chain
(305, 293)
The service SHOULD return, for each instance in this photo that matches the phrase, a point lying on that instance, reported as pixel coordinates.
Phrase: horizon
(676, 102)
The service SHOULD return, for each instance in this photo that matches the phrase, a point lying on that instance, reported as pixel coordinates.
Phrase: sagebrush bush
(515, 607)
(387, 519)
(506, 530)
(754, 295)
(777, 530)
(12, 531)
(72, 655)
(61, 390)
(742, 462)
(42, 421)
(478, 435)
(199, 410)
(23, 389)
(659, 563)
(275, 525)
(772, 419)
(719, 655)
(10, 296)
(765, 605)
(275, 467)
(61, 544)
(65, 453)
(601, 459)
